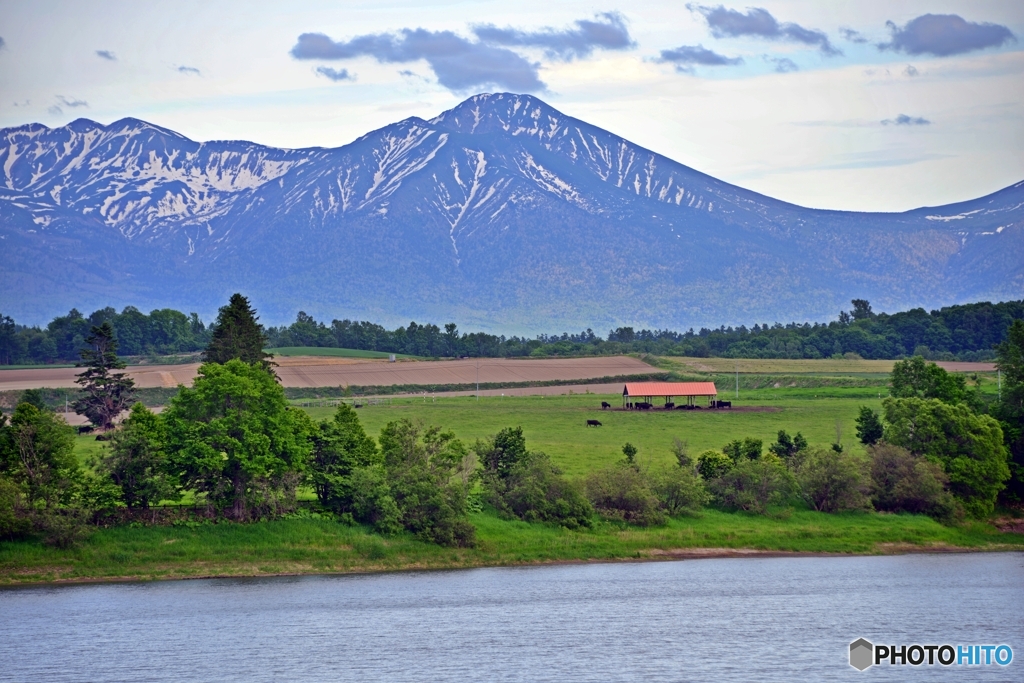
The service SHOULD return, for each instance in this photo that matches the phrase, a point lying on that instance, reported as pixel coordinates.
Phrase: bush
(623, 492)
(713, 464)
(534, 490)
(680, 490)
(14, 518)
(752, 486)
(904, 482)
(833, 482)
(62, 527)
(423, 472)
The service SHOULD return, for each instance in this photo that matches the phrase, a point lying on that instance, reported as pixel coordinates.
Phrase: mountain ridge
(502, 212)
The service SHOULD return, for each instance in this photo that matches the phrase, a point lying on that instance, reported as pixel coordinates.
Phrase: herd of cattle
(644, 405)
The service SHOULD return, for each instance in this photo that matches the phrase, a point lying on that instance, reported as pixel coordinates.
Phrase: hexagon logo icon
(861, 654)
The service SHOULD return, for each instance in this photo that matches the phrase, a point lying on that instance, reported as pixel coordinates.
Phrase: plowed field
(329, 372)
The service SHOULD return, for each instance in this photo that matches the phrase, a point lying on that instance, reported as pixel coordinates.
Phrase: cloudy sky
(849, 105)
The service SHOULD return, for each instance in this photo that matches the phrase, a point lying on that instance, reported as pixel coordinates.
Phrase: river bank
(320, 546)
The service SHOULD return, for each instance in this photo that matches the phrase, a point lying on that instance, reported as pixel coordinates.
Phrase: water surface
(700, 620)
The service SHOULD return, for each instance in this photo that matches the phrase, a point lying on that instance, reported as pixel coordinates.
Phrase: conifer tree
(107, 393)
(237, 334)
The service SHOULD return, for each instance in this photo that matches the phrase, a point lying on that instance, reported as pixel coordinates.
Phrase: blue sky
(847, 105)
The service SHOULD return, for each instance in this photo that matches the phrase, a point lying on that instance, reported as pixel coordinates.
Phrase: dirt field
(331, 372)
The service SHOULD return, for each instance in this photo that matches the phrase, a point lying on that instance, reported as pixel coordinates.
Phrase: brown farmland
(331, 372)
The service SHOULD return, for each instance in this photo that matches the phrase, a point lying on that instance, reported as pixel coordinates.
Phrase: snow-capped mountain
(501, 213)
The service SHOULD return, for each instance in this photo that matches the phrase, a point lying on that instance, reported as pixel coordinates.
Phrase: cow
(605, 405)
(643, 405)
(593, 423)
(725, 404)
(85, 429)
(670, 406)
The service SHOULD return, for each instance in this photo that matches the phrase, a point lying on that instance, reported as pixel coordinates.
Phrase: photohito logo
(864, 654)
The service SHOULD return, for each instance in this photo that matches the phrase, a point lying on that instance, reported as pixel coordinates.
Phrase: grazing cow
(725, 404)
(670, 406)
(593, 423)
(357, 405)
(605, 405)
(84, 429)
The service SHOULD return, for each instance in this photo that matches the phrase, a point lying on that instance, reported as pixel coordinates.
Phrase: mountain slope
(502, 213)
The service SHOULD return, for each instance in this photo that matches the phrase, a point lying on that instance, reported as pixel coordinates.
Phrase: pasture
(557, 424)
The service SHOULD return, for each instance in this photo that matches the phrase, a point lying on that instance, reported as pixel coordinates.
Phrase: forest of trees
(966, 332)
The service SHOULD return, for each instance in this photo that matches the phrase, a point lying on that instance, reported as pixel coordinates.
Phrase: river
(699, 620)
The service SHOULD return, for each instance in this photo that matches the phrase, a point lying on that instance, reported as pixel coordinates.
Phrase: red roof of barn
(670, 389)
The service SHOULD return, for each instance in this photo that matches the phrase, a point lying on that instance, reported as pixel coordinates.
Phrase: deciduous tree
(1010, 409)
(234, 438)
(968, 447)
(137, 460)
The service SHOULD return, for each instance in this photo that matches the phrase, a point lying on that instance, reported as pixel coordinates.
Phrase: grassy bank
(322, 546)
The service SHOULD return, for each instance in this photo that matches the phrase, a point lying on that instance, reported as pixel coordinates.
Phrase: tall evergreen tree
(107, 393)
(238, 334)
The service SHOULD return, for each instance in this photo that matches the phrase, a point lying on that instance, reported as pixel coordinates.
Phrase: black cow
(593, 423)
(670, 406)
(643, 405)
(605, 405)
(725, 404)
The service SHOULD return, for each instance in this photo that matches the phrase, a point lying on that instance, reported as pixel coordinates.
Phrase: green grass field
(337, 353)
(557, 424)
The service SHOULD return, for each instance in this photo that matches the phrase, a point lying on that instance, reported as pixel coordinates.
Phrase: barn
(641, 395)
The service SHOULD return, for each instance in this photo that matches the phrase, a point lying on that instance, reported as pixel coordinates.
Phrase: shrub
(752, 486)
(624, 492)
(62, 527)
(535, 491)
(833, 482)
(423, 472)
(680, 490)
(681, 449)
(904, 482)
(14, 517)
(713, 464)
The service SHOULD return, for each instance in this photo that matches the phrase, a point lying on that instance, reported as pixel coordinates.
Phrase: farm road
(331, 372)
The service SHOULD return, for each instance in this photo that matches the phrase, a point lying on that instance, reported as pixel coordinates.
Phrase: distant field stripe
(329, 351)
